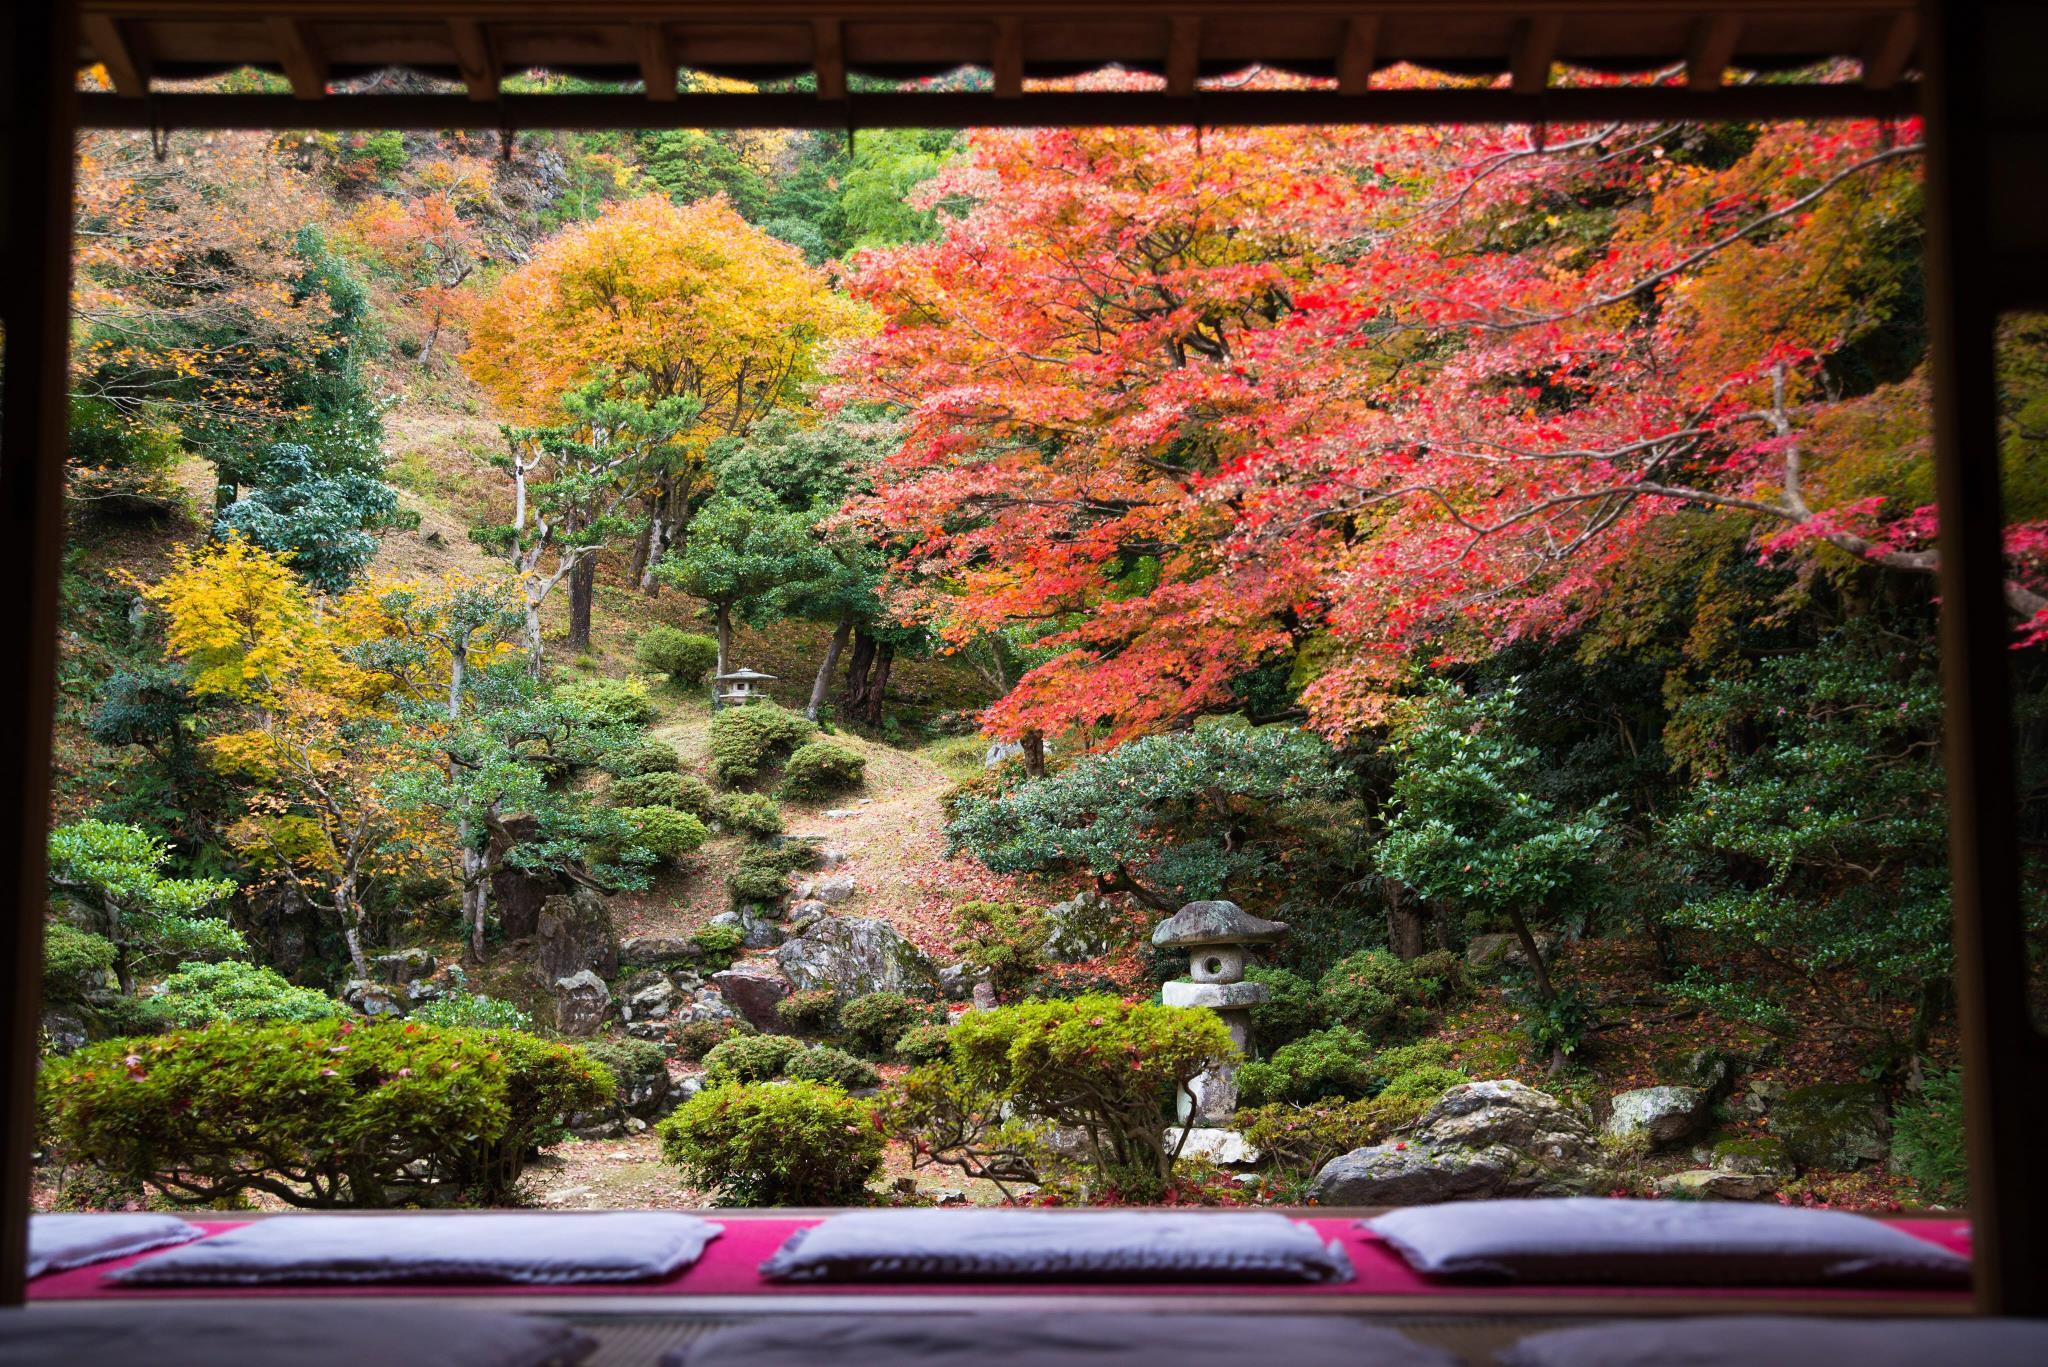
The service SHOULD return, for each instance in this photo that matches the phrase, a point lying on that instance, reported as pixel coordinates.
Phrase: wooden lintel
(1711, 49)
(1535, 49)
(657, 61)
(1361, 52)
(126, 66)
(476, 58)
(1890, 48)
(298, 51)
(1006, 59)
(828, 58)
(1183, 56)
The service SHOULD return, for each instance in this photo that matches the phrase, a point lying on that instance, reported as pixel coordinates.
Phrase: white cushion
(56, 1242)
(924, 1245)
(350, 1333)
(1591, 1239)
(1765, 1341)
(613, 1246)
(1011, 1339)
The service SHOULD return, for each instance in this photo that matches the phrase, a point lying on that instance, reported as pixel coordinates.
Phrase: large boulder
(1480, 1139)
(648, 995)
(1712, 1184)
(753, 990)
(1833, 1125)
(655, 951)
(65, 1031)
(1083, 928)
(1662, 1115)
(374, 998)
(957, 981)
(575, 933)
(855, 955)
(582, 1003)
(831, 889)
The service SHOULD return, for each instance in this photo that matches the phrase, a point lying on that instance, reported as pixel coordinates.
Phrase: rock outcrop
(855, 955)
(574, 933)
(753, 991)
(1834, 1126)
(582, 1003)
(1480, 1139)
(1661, 1115)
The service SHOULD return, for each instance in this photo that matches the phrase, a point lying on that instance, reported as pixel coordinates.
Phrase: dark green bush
(1005, 938)
(685, 656)
(1375, 992)
(697, 1038)
(664, 832)
(1293, 1008)
(658, 789)
(465, 1010)
(924, 1043)
(1322, 1065)
(609, 702)
(76, 962)
(747, 741)
(720, 945)
(872, 1023)
(328, 1113)
(751, 1058)
(1424, 1084)
(752, 882)
(627, 1058)
(774, 1144)
(644, 756)
(1296, 1141)
(1927, 1140)
(835, 1067)
(809, 1012)
(819, 769)
(200, 994)
(754, 814)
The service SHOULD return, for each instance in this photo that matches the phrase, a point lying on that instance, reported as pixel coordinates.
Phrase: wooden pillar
(35, 307)
(2005, 1059)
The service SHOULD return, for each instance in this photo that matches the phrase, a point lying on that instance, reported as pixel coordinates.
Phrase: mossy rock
(1833, 1126)
(1745, 1153)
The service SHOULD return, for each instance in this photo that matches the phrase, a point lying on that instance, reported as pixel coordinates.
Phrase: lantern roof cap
(1215, 923)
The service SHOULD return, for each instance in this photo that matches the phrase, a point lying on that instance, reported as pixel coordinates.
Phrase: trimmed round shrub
(719, 945)
(756, 882)
(318, 1114)
(200, 994)
(609, 702)
(748, 741)
(646, 790)
(835, 1067)
(873, 1022)
(751, 1058)
(472, 1011)
(819, 768)
(76, 962)
(628, 1059)
(664, 832)
(698, 1038)
(775, 1144)
(644, 756)
(685, 656)
(754, 814)
(1007, 939)
(1333, 1063)
(923, 1043)
(809, 1012)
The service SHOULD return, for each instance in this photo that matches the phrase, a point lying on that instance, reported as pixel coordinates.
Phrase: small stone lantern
(737, 688)
(1216, 936)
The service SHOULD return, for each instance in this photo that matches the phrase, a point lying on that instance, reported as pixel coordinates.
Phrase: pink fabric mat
(730, 1267)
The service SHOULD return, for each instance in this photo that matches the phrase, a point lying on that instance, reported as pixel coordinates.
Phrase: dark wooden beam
(1891, 45)
(1712, 48)
(1006, 58)
(1094, 109)
(1534, 50)
(828, 59)
(298, 51)
(35, 314)
(477, 59)
(657, 61)
(1360, 53)
(1183, 56)
(126, 65)
(2005, 1058)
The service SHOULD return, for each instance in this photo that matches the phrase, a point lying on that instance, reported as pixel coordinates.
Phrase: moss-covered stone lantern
(1217, 936)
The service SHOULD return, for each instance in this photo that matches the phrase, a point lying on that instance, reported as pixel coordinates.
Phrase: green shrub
(751, 1058)
(873, 1022)
(472, 1011)
(1553, 1027)
(1424, 1084)
(1375, 992)
(664, 832)
(835, 1067)
(819, 769)
(924, 1043)
(756, 882)
(643, 756)
(200, 994)
(1293, 1007)
(646, 790)
(755, 814)
(1007, 939)
(747, 741)
(627, 1058)
(76, 962)
(697, 1038)
(609, 702)
(326, 1113)
(809, 1012)
(1296, 1141)
(776, 1143)
(719, 946)
(1325, 1064)
(1927, 1140)
(684, 656)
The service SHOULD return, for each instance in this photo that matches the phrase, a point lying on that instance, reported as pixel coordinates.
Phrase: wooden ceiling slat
(1713, 47)
(299, 53)
(1360, 52)
(126, 67)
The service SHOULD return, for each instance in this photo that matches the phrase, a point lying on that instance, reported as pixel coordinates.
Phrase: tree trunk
(878, 684)
(1033, 745)
(476, 891)
(651, 555)
(1540, 972)
(1405, 924)
(827, 665)
(582, 588)
(724, 620)
(855, 691)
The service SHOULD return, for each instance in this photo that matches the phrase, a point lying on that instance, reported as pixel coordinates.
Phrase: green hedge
(789, 1143)
(755, 814)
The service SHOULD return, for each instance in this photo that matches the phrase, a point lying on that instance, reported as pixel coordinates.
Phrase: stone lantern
(737, 688)
(1216, 936)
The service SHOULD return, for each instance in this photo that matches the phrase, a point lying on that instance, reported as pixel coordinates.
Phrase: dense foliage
(787, 1143)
